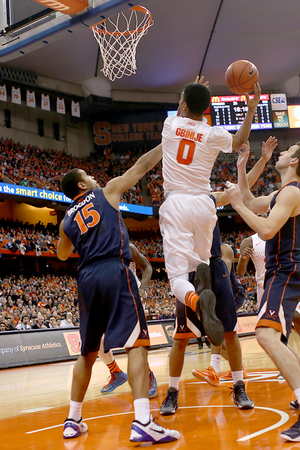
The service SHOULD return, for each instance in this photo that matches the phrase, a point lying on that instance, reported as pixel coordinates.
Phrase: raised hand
(200, 81)
(234, 194)
(243, 156)
(253, 102)
(268, 148)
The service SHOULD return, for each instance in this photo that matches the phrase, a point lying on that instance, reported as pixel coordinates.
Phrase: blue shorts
(187, 324)
(109, 303)
(280, 298)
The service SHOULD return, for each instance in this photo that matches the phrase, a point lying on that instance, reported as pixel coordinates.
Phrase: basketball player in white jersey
(188, 214)
(253, 247)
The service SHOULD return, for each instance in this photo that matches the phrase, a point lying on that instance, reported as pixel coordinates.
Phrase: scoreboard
(229, 111)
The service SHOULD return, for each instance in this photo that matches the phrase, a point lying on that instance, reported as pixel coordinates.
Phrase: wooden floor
(35, 402)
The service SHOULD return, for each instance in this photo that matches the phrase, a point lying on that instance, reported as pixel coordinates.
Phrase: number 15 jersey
(190, 148)
(96, 229)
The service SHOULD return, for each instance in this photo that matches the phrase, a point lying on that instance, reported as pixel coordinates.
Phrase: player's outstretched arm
(242, 134)
(266, 152)
(246, 251)
(260, 204)
(64, 245)
(287, 204)
(118, 185)
(252, 176)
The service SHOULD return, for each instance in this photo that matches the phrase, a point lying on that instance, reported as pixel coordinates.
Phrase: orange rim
(126, 33)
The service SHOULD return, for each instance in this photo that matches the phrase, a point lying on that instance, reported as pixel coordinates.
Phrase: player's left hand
(243, 156)
(199, 80)
(268, 148)
(234, 194)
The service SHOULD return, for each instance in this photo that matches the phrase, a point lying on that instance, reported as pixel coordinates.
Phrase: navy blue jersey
(96, 229)
(216, 242)
(284, 248)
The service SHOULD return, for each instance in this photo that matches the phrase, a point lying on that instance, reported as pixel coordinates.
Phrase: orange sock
(113, 367)
(191, 299)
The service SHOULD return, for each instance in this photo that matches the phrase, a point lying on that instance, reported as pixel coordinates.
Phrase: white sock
(75, 410)
(297, 394)
(174, 382)
(142, 410)
(237, 375)
(181, 286)
(215, 362)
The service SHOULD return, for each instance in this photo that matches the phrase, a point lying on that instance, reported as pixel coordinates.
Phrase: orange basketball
(241, 76)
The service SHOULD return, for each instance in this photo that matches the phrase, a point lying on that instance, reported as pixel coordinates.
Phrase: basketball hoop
(118, 39)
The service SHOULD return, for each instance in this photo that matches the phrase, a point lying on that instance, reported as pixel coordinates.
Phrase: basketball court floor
(34, 404)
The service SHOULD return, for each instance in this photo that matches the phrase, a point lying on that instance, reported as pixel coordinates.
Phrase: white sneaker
(73, 429)
(152, 432)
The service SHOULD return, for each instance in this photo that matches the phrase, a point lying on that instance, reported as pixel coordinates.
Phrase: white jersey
(258, 258)
(190, 148)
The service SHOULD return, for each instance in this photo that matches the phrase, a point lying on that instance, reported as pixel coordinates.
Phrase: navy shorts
(187, 324)
(109, 303)
(280, 298)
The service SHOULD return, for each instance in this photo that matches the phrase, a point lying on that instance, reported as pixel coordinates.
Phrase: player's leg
(176, 360)
(296, 319)
(73, 425)
(117, 376)
(185, 247)
(143, 428)
(283, 357)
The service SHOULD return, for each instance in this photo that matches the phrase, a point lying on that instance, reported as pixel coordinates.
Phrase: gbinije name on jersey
(81, 204)
(189, 134)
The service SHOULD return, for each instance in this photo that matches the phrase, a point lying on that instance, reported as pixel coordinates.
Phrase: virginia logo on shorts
(272, 315)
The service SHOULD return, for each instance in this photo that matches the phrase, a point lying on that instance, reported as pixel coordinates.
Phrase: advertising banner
(55, 196)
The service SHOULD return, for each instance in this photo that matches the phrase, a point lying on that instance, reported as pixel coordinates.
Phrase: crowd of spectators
(31, 166)
(28, 165)
(38, 302)
(50, 301)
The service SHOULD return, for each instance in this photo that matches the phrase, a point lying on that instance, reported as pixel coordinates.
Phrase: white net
(118, 39)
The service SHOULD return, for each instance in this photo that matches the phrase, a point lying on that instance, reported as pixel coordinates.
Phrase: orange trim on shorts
(269, 324)
(141, 343)
(179, 336)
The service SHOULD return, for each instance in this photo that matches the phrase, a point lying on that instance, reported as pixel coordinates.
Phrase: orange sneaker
(228, 375)
(209, 375)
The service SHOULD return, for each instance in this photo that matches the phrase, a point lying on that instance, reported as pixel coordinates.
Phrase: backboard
(28, 26)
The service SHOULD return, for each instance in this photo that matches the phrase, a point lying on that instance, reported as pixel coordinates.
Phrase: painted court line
(284, 417)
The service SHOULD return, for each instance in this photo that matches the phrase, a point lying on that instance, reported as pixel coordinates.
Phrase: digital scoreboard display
(229, 111)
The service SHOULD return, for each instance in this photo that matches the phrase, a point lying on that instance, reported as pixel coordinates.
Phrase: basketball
(241, 76)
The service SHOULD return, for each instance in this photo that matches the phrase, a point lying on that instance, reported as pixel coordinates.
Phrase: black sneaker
(206, 305)
(293, 434)
(170, 403)
(240, 397)
(294, 404)
(207, 343)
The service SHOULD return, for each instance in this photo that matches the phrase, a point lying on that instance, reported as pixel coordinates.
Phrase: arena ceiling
(187, 35)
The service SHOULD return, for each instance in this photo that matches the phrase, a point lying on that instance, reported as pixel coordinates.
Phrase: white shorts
(187, 222)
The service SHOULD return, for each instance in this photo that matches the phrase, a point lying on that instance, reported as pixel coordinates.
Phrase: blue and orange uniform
(282, 278)
(109, 301)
